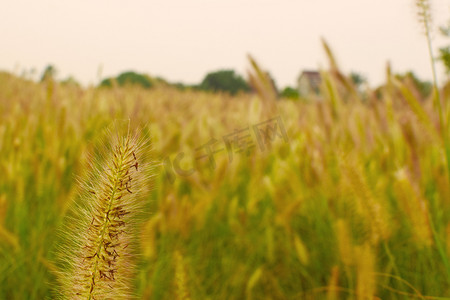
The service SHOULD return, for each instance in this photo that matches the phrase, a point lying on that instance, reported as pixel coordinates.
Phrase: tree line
(220, 81)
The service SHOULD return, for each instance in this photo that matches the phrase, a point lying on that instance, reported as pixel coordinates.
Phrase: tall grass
(354, 205)
(425, 18)
(100, 250)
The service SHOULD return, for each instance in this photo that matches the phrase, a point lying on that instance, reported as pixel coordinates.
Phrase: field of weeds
(251, 197)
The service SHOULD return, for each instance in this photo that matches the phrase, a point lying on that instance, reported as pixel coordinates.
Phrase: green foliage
(445, 57)
(423, 87)
(445, 51)
(49, 73)
(224, 81)
(290, 93)
(357, 79)
(128, 78)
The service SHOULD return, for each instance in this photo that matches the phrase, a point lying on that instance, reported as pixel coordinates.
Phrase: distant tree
(290, 93)
(445, 51)
(128, 78)
(445, 57)
(225, 81)
(357, 79)
(49, 73)
(107, 82)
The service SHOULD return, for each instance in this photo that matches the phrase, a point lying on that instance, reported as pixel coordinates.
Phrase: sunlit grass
(354, 205)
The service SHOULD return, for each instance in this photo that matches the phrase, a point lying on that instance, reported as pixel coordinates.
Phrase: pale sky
(182, 40)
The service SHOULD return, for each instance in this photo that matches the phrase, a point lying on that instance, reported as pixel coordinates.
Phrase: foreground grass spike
(100, 257)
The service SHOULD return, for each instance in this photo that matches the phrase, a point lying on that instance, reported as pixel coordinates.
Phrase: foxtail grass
(366, 280)
(100, 253)
(425, 18)
(262, 83)
(181, 277)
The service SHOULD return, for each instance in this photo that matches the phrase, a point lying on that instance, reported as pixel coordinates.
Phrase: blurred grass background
(355, 205)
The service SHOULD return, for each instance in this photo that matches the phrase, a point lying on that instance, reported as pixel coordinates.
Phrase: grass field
(345, 198)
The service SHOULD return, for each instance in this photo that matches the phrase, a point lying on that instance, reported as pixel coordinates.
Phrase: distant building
(309, 83)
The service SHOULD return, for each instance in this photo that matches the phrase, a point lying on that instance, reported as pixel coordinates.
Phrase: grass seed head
(103, 225)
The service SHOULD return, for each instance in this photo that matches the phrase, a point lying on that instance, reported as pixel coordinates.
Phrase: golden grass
(100, 253)
(357, 190)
